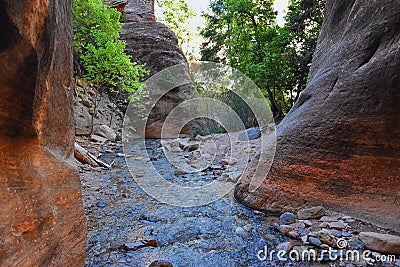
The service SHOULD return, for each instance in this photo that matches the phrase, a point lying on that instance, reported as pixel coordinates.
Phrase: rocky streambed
(127, 227)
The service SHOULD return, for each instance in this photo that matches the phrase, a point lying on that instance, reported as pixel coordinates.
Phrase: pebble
(314, 241)
(303, 232)
(308, 223)
(356, 245)
(285, 229)
(337, 225)
(327, 238)
(293, 234)
(336, 233)
(100, 204)
(257, 212)
(323, 225)
(287, 218)
(161, 264)
(328, 219)
(286, 246)
(304, 239)
(300, 225)
(300, 249)
(311, 213)
(346, 234)
(240, 231)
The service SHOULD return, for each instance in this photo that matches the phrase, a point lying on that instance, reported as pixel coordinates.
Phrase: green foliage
(96, 38)
(177, 15)
(304, 20)
(244, 34)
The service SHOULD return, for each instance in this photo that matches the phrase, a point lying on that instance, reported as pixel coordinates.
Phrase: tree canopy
(177, 15)
(245, 35)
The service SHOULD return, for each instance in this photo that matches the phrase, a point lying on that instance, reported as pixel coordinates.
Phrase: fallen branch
(85, 157)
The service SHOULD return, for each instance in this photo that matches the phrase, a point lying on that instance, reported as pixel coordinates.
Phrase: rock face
(340, 144)
(42, 220)
(156, 46)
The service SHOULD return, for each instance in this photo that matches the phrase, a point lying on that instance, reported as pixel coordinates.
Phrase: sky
(202, 6)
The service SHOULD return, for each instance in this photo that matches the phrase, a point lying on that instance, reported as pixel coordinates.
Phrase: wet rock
(384, 243)
(287, 218)
(311, 213)
(161, 264)
(105, 131)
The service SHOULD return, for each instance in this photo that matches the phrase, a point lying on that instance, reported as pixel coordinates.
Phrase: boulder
(250, 134)
(156, 46)
(383, 243)
(105, 131)
(339, 146)
(42, 220)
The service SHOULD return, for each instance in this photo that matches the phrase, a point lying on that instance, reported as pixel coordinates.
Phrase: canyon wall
(340, 144)
(42, 220)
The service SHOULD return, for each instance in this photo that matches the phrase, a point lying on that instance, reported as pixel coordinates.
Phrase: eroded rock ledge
(42, 221)
(340, 144)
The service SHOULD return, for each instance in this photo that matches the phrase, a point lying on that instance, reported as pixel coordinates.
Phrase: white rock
(105, 131)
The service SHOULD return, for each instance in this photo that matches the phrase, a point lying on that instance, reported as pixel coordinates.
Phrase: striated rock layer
(156, 46)
(340, 144)
(41, 213)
